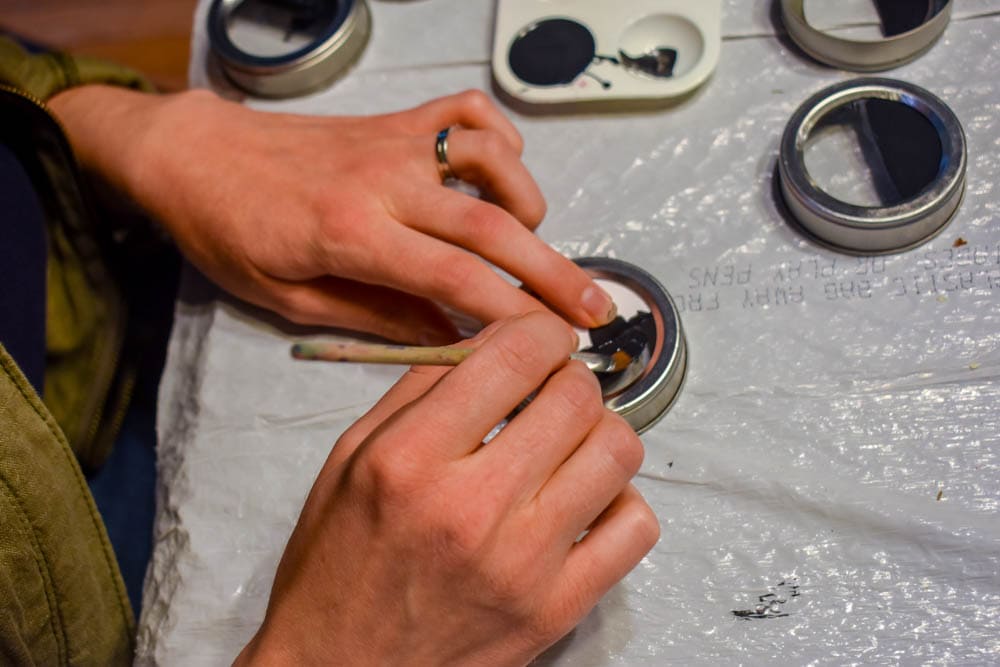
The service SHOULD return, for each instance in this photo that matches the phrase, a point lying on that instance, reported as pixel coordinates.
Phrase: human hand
(338, 221)
(418, 545)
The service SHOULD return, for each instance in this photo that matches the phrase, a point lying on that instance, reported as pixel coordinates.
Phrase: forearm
(110, 129)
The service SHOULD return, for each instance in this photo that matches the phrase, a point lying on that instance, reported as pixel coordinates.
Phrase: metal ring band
(872, 229)
(864, 55)
(441, 151)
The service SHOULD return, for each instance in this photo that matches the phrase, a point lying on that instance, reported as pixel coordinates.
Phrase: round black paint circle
(552, 52)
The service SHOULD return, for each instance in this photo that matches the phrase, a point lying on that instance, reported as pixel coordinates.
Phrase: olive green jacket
(63, 600)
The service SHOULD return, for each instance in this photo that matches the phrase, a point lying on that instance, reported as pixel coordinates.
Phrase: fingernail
(598, 305)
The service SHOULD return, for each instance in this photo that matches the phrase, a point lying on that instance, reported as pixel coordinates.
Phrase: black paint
(770, 604)
(552, 52)
(899, 16)
(658, 62)
(900, 144)
(633, 337)
(908, 144)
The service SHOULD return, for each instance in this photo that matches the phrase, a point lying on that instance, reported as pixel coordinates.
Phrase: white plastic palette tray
(633, 27)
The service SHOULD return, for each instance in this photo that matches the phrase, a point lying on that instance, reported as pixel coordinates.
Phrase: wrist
(120, 135)
(106, 127)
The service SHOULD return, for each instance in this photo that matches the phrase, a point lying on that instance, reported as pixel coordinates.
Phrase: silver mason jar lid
(865, 55)
(644, 393)
(873, 229)
(252, 41)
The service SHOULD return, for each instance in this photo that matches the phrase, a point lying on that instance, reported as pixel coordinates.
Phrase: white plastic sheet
(837, 442)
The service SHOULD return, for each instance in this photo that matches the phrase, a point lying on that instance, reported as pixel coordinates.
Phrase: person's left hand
(339, 221)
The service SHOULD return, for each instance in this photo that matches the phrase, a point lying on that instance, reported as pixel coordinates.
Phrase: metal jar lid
(643, 393)
(866, 55)
(281, 48)
(874, 229)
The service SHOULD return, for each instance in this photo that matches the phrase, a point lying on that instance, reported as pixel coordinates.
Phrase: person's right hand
(418, 545)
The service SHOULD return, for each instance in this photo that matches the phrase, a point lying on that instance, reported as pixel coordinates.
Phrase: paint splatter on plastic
(772, 604)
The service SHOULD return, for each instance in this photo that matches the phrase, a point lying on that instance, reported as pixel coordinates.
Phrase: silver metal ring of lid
(337, 45)
(865, 55)
(872, 229)
(643, 402)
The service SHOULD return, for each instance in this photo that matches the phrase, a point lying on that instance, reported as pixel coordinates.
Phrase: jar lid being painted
(282, 48)
(648, 327)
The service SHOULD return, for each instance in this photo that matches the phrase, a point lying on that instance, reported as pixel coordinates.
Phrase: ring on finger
(441, 151)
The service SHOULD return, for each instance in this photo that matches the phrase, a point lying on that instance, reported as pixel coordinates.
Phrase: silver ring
(872, 229)
(865, 55)
(441, 151)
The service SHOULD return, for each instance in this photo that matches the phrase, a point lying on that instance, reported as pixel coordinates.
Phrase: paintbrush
(412, 355)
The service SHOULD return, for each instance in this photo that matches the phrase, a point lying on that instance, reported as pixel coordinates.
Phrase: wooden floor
(153, 36)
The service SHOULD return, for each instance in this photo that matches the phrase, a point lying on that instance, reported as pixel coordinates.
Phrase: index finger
(414, 384)
(496, 236)
(456, 414)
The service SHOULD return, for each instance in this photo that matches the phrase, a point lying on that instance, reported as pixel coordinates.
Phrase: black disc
(552, 52)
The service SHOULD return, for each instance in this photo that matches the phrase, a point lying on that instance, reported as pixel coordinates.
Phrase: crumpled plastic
(828, 480)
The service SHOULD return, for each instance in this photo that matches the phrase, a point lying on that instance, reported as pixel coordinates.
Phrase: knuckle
(518, 144)
(646, 527)
(581, 392)
(455, 272)
(624, 448)
(457, 544)
(493, 148)
(476, 101)
(548, 326)
(458, 535)
(474, 214)
(509, 586)
(351, 439)
(336, 249)
(521, 354)
(295, 308)
(387, 473)
(535, 212)
(549, 624)
(484, 224)
(334, 226)
(375, 321)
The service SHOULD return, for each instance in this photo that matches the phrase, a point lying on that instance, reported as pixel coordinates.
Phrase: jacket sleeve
(43, 75)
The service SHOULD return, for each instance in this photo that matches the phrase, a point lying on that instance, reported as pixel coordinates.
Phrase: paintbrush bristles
(621, 359)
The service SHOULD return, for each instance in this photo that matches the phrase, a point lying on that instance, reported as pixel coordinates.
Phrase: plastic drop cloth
(837, 441)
